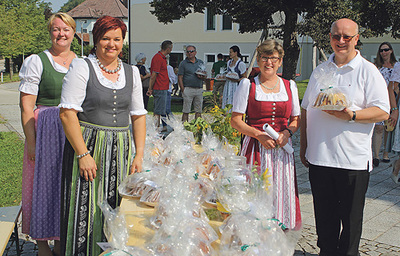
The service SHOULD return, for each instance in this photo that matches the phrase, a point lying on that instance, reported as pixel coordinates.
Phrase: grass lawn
(176, 106)
(6, 78)
(11, 155)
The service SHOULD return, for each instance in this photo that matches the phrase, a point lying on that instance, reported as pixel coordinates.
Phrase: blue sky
(56, 4)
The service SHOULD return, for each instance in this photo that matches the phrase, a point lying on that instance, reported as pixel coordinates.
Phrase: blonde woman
(40, 91)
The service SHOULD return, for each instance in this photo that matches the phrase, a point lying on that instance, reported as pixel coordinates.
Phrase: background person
(273, 100)
(144, 75)
(394, 118)
(218, 87)
(99, 95)
(235, 65)
(191, 84)
(173, 79)
(336, 145)
(40, 91)
(159, 81)
(384, 61)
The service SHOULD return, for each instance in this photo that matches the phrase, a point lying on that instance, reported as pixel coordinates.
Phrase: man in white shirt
(338, 153)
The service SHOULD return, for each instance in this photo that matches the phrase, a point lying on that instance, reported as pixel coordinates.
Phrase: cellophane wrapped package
(115, 230)
(330, 95)
(250, 228)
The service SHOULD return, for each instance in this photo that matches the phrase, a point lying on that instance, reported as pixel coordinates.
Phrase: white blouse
(395, 73)
(75, 82)
(241, 96)
(31, 73)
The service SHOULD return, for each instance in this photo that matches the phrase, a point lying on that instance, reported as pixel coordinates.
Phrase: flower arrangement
(220, 125)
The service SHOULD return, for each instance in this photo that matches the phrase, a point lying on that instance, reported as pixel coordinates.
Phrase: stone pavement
(381, 230)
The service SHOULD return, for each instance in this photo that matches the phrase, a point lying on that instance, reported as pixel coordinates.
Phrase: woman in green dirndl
(99, 94)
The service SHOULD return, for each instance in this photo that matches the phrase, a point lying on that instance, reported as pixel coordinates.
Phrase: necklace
(109, 71)
(63, 61)
(271, 88)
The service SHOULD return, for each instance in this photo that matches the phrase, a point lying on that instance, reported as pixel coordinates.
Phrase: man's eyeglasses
(384, 50)
(345, 38)
(272, 59)
(191, 51)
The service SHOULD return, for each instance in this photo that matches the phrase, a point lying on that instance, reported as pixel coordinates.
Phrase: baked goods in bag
(331, 100)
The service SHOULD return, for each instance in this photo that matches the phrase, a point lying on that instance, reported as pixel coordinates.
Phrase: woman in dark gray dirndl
(98, 96)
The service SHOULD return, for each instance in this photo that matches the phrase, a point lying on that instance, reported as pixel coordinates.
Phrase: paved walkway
(381, 230)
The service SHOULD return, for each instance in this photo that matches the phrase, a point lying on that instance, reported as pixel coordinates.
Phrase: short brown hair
(64, 17)
(270, 46)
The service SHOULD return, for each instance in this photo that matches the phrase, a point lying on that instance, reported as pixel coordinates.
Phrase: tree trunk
(11, 64)
(292, 49)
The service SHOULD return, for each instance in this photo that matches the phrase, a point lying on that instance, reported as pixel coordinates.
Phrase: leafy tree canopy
(71, 4)
(23, 27)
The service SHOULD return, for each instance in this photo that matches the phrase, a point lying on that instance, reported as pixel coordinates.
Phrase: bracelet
(396, 108)
(84, 154)
(290, 131)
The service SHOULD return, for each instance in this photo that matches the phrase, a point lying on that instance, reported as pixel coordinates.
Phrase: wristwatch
(290, 131)
(353, 119)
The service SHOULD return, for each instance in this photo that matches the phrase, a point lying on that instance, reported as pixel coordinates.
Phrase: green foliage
(71, 4)
(125, 53)
(7, 79)
(220, 126)
(23, 27)
(11, 156)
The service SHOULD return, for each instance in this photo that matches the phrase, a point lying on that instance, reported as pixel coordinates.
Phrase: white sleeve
(137, 105)
(73, 91)
(295, 99)
(241, 96)
(30, 75)
(171, 74)
(242, 67)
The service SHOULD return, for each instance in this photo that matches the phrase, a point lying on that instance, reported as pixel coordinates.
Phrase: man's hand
(345, 114)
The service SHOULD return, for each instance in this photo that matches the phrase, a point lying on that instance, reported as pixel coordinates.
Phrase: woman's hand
(283, 138)
(87, 167)
(31, 151)
(266, 141)
(136, 165)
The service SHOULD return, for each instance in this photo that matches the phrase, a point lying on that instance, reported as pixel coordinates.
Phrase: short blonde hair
(64, 17)
(270, 46)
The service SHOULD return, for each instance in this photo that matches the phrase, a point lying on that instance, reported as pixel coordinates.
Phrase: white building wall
(147, 34)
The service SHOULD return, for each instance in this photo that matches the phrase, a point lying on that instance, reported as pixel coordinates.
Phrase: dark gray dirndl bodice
(105, 106)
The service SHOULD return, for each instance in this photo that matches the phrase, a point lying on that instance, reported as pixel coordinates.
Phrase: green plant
(197, 127)
(220, 125)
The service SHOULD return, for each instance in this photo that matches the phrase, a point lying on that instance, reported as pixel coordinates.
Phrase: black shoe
(375, 162)
(385, 160)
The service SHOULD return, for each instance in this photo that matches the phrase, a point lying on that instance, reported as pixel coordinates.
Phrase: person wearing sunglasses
(336, 144)
(190, 82)
(384, 61)
(273, 100)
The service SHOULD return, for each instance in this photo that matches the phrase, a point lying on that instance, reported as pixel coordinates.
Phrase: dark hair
(236, 49)
(220, 56)
(103, 25)
(166, 44)
(379, 61)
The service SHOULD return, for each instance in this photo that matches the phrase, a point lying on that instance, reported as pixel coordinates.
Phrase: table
(137, 215)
